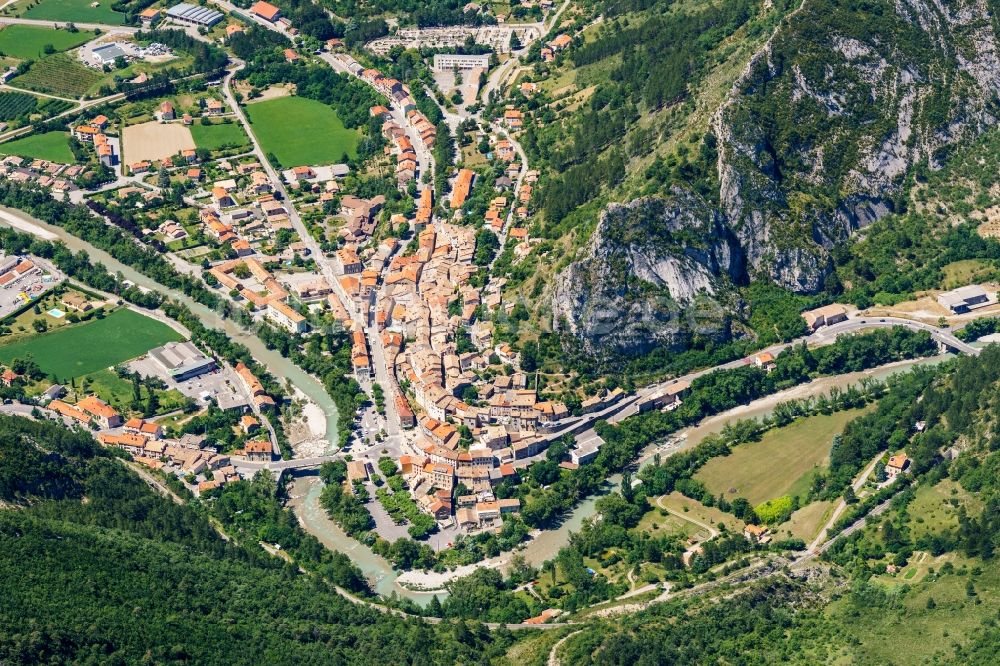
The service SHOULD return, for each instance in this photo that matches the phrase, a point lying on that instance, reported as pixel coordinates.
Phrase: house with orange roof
(147, 16)
(222, 198)
(100, 411)
(167, 111)
(249, 424)
(129, 441)
(266, 11)
(463, 185)
(561, 42)
(898, 464)
(68, 410)
(259, 451)
(765, 361)
(85, 133)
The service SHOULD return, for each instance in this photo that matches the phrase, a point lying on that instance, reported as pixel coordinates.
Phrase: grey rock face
(815, 141)
(657, 271)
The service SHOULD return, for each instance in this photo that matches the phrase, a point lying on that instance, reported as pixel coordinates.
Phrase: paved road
(279, 465)
(842, 505)
(628, 406)
(941, 335)
(103, 27)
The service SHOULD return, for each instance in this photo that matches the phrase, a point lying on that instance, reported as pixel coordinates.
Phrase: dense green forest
(98, 568)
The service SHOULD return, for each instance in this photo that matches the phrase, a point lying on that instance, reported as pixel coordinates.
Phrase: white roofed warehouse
(182, 360)
(195, 15)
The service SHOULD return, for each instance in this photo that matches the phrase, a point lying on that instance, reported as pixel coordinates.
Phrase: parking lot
(222, 386)
(32, 285)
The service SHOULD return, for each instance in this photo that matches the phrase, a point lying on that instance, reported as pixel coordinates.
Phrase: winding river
(280, 367)
(305, 490)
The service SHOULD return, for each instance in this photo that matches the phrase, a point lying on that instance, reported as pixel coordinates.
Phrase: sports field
(221, 135)
(29, 41)
(80, 11)
(52, 146)
(301, 131)
(97, 344)
(153, 141)
(781, 463)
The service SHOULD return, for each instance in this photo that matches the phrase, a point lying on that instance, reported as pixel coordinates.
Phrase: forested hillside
(775, 135)
(98, 568)
(920, 583)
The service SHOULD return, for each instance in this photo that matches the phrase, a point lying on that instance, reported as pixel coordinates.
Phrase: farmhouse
(167, 111)
(765, 361)
(898, 464)
(757, 532)
(100, 411)
(825, 316)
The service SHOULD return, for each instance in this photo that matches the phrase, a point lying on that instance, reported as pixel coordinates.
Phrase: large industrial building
(182, 360)
(195, 15)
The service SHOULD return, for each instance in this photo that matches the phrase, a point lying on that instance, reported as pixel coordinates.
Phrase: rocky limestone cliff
(816, 139)
(657, 271)
(819, 134)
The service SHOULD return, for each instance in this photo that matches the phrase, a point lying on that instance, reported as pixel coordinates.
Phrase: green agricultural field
(219, 136)
(52, 146)
(15, 104)
(76, 10)
(60, 75)
(301, 131)
(28, 41)
(79, 350)
(781, 463)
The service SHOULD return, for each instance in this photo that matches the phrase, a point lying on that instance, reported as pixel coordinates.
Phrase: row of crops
(14, 105)
(59, 75)
(18, 105)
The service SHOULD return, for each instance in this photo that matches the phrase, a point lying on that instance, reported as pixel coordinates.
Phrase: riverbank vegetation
(922, 577)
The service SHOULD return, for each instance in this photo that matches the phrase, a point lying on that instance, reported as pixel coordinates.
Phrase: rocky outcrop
(657, 272)
(819, 134)
(816, 139)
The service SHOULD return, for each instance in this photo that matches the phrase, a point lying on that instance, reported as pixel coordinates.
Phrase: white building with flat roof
(446, 61)
(965, 299)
